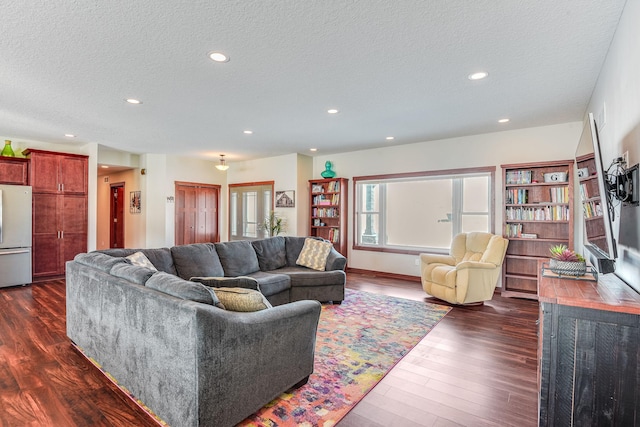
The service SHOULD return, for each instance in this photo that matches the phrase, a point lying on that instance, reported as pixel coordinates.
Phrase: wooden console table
(588, 352)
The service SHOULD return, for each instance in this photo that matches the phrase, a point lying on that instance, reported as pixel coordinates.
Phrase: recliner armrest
(476, 264)
(437, 258)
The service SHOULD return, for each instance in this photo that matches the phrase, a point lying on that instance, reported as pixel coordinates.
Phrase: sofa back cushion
(160, 258)
(238, 258)
(133, 273)
(198, 259)
(271, 253)
(99, 260)
(293, 247)
(173, 285)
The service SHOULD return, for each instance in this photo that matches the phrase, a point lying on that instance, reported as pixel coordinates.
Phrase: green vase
(7, 151)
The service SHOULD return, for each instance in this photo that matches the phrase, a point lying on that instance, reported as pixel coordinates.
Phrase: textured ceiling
(392, 67)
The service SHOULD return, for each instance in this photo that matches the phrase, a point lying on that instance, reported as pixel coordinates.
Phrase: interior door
(116, 225)
(196, 213)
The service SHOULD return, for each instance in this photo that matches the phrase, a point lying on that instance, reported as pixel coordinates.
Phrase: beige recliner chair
(469, 274)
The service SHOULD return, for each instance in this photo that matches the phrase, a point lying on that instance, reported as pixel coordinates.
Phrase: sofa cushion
(228, 282)
(241, 299)
(160, 258)
(270, 283)
(238, 258)
(180, 288)
(271, 253)
(198, 259)
(314, 254)
(99, 260)
(304, 277)
(133, 273)
(141, 260)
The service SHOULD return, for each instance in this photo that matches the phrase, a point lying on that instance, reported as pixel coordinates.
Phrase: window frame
(444, 173)
(240, 208)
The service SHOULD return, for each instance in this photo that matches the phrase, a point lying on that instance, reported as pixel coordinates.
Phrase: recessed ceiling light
(478, 76)
(332, 111)
(248, 132)
(389, 138)
(133, 101)
(69, 135)
(218, 57)
(104, 167)
(313, 149)
(503, 120)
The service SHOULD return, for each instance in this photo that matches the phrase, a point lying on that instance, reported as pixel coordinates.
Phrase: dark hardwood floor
(477, 367)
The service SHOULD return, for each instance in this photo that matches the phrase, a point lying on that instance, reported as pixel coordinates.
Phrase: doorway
(196, 213)
(116, 216)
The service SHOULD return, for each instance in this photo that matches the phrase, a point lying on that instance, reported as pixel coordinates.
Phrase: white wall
(618, 88)
(289, 172)
(557, 142)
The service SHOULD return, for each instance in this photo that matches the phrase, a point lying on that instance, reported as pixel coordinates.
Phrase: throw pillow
(314, 254)
(240, 299)
(141, 260)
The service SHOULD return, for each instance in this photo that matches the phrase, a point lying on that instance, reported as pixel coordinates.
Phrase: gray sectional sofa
(193, 364)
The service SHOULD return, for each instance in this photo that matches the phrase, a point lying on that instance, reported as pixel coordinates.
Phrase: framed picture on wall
(135, 203)
(286, 199)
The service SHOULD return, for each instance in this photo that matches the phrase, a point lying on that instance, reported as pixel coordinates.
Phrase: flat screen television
(595, 197)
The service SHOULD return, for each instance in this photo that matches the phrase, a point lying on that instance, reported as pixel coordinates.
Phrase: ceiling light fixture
(478, 76)
(248, 132)
(133, 101)
(503, 120)
(389, 138)
(332, 111)
(223, 166)
(313, 149)
(218, 57)
(69, 135)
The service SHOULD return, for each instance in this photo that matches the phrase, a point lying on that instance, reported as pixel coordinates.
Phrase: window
(416, 212)
(249, 205)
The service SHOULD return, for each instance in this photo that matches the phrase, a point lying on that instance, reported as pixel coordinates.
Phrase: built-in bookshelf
(329, 211)
(538, 214)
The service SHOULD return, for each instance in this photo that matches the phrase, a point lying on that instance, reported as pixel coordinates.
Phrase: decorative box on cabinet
(59, 183)
(537, 215)
(589, 353)
(328, 209)
(14, 171)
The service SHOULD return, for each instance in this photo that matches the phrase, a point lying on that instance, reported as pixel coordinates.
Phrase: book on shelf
(334, 187)
(529, 235)
(517, 196)
(519, 177)
(559, 194)
(544, 213)
(592, 209)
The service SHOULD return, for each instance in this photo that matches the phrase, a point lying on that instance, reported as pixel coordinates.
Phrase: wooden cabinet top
(609, 293)
(30, 151)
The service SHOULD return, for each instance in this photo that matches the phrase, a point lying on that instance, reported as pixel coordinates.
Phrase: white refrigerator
(15, 235)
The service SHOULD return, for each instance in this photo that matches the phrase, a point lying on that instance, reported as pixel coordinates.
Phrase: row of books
(559, 194)
(517, 196)
(324, 200)
(585, 193)
(592, 209)
(544, 213)
(334, 235)
(326, 212)
(518, 177)
(515, 230)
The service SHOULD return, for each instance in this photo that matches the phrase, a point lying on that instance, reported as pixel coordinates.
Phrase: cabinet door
(46, 242)
(73, 175)
(44, 172)
(74, 227)
(13, 171)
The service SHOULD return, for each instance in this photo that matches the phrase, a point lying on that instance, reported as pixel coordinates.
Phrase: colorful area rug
(358, 342)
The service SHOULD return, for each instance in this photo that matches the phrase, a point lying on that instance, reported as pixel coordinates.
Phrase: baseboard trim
(384, 274)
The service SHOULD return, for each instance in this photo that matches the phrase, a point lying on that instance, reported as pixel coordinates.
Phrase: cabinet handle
(62, 234)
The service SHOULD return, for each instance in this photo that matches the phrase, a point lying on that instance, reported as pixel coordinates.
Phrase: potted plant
(273, 224)
(567, 262)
